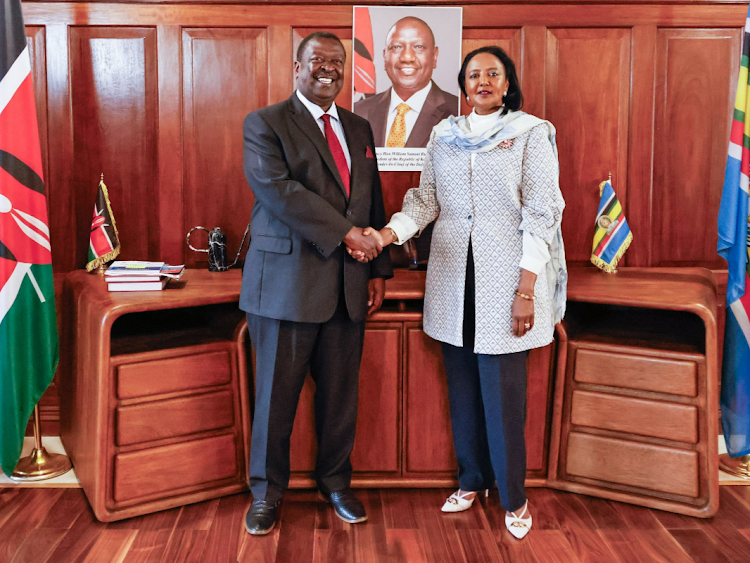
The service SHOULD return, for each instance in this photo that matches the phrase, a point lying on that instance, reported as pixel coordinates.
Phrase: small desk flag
(733, 246)
(104, 244)
(612, 236)
(28, 322)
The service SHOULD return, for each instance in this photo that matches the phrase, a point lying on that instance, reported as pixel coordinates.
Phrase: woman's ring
(527, 326)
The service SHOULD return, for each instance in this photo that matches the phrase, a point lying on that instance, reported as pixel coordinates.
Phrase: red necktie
(338, 153)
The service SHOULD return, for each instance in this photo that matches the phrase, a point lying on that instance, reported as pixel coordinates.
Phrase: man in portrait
(404, 115)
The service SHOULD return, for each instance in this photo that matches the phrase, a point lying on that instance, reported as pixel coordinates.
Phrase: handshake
(364, 244)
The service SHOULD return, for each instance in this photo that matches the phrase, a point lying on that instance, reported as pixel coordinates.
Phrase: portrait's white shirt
(415, 102)
(535, 250)
(317, 113)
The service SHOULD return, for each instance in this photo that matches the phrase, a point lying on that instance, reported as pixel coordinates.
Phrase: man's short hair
(317, 35)
(414, 19)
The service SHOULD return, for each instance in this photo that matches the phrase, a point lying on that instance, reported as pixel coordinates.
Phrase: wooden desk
(155, 410)
(636, 399)
(154, 404)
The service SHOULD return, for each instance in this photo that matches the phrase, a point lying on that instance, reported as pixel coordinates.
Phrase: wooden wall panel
(694, 89)
(378, 441)
(587, 92)
(114, 105)
(224, 78)
(428, 440)
(35, 36)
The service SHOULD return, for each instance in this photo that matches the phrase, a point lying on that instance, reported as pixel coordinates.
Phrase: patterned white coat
(490, 197)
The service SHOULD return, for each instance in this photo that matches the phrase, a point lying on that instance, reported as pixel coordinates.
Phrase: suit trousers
(487, 395)
(285, 351)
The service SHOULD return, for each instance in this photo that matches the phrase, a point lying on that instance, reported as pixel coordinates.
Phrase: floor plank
(404, 526)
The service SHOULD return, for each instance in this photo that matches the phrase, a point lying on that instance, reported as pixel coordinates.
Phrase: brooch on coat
(506, 144)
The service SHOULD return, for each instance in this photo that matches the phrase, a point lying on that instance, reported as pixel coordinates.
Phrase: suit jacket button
(348, 213)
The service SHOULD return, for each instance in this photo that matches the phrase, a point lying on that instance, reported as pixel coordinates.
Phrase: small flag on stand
(734, 246)
(612, 236)
(104, 244)
(28, 322)
(364, 66)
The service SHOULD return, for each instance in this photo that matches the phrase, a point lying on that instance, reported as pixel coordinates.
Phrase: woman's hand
(383, 236)
(523, 309)
(523, 315)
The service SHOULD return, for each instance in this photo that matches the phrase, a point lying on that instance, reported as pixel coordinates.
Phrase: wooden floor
(56, 525)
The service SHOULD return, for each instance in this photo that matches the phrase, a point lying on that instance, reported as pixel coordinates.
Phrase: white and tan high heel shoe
(461, 500)
(517, 524)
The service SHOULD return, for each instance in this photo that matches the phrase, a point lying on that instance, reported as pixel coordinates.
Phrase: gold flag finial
(101, 179)
(610, 177)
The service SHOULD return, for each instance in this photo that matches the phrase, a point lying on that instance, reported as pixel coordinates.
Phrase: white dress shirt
(535, 250)
(415, 102)
(317, 112)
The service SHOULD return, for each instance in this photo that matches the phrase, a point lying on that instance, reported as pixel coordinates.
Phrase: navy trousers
(487, 396)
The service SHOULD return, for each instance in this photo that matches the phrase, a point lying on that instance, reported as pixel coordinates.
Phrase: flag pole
(737, 466)
(40, 464)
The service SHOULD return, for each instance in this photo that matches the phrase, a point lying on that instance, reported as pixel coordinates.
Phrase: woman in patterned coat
(490, 183)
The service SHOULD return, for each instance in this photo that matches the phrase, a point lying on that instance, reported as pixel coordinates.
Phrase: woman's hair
(514, 98)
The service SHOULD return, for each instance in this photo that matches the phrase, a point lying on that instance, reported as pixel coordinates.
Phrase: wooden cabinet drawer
(174, 417)
(166, 469)
(631, 415)
(647, 466)
(167, 375)
(632, 371)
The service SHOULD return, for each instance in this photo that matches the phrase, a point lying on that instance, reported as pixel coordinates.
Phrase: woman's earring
(467, 98)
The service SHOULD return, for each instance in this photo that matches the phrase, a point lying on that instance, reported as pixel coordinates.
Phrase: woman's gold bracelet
(527, 297)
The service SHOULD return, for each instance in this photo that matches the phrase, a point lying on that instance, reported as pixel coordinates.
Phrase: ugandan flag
(364, 66)
(612, 236)
(734, 246)
(104, 243)
(28, 323)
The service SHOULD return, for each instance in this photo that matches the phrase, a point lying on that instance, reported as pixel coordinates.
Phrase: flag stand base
(40, 464)
(737, 466)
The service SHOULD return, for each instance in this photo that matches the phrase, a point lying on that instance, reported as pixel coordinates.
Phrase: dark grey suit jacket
(296, 262)
(438, 106)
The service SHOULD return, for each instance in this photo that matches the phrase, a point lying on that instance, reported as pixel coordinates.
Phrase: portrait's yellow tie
(397, 135)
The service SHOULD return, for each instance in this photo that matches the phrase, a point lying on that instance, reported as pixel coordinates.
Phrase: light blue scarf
(457, 131)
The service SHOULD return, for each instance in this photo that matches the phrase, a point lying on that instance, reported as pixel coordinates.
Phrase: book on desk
(136, 275)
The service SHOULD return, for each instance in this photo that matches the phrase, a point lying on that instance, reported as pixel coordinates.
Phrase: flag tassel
(40, 464)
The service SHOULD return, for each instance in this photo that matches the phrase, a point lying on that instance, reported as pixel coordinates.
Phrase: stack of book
(136, 275)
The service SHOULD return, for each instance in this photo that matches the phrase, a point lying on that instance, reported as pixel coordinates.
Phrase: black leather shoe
(347, 506)
(260, 518)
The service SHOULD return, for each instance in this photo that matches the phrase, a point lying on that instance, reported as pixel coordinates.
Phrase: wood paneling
(113, 76)
(693, 95)
(225, 76)
(428, 440)
(587, 95)
(377, 444)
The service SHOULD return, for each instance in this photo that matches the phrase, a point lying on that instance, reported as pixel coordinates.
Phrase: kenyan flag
(28, 332)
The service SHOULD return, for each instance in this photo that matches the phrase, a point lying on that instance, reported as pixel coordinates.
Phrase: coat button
(469, 217)
(348, 213)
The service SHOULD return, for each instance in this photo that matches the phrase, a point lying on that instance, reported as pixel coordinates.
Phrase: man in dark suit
(404, 115)
(312, 169)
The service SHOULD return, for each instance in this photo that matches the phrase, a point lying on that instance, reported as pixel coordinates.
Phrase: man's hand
(376, 291)
(381, 236)
(367, 247)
